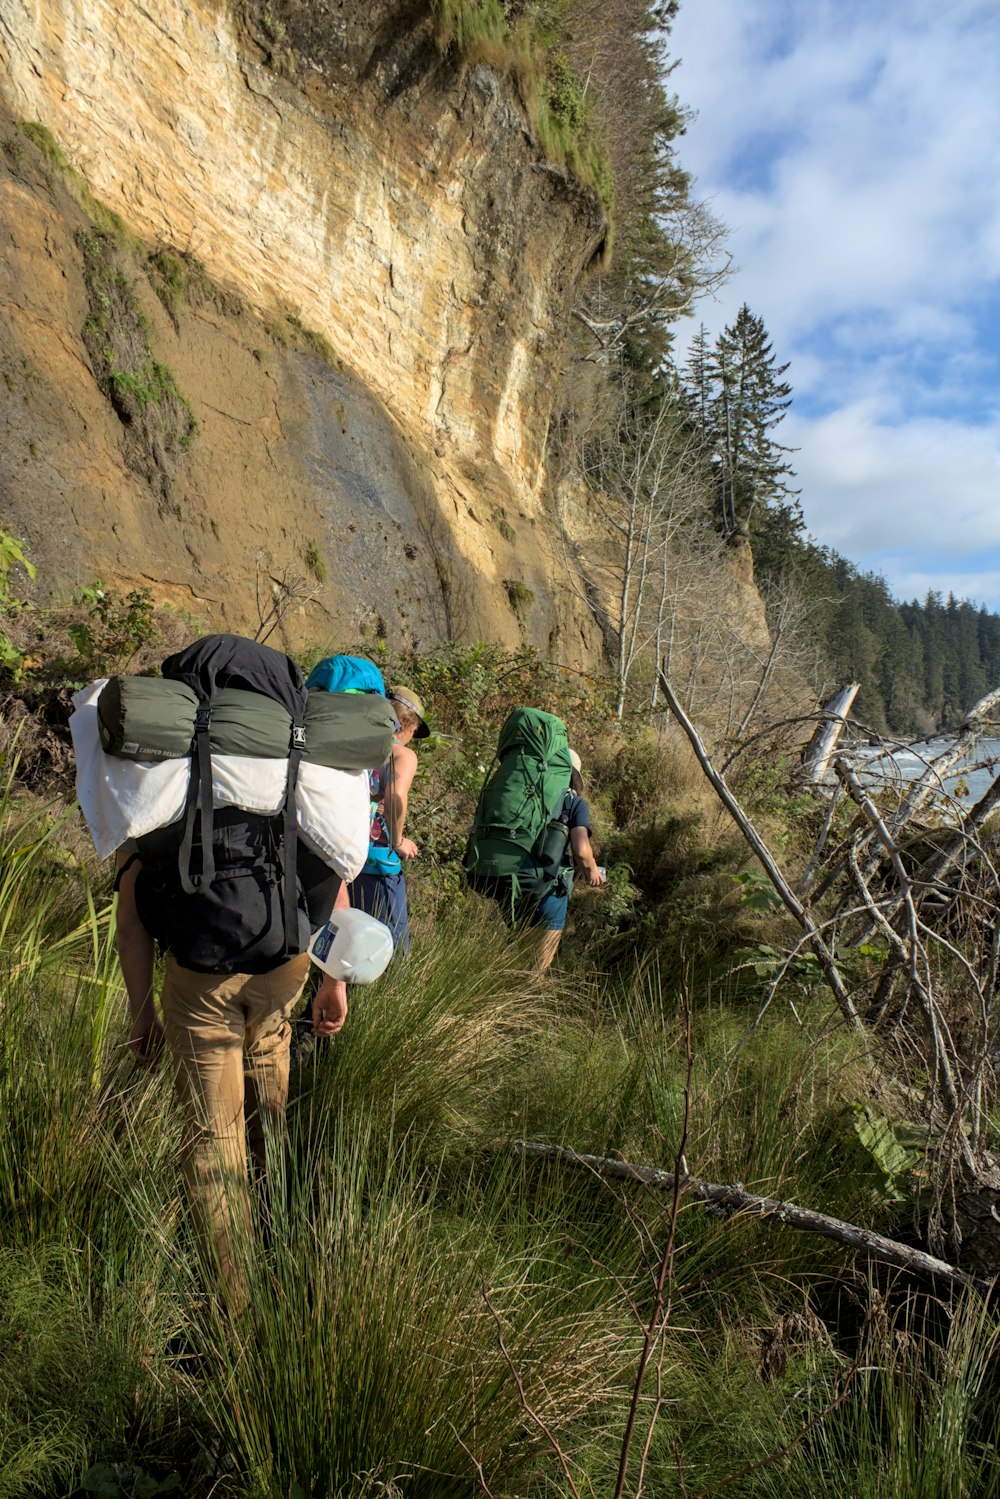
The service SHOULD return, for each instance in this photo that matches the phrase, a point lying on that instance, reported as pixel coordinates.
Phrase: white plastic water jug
(352, 946)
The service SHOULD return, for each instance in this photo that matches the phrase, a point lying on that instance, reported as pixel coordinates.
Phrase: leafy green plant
(565, 94)
(115, 629)
(898, 1150)
(758, 892)
(12, 556)
(123, 1481)
(315, 562)
(519, 594)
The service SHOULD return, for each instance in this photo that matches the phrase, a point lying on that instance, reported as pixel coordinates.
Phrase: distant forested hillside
(921, 666)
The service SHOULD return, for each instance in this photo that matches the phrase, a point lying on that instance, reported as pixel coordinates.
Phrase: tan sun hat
(407, 698)
(574, 760)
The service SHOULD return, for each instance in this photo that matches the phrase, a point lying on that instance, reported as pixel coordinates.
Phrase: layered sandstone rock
(349, 179)
(347, 259)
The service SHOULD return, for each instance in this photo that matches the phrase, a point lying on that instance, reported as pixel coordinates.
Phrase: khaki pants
(228, 1036)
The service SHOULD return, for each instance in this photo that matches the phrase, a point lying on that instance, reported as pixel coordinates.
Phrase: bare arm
(404, 768)
(583, 856)
(135, 954)
(329, 1006)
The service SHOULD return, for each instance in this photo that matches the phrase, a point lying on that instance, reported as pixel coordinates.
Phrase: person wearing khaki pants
(228, 1037)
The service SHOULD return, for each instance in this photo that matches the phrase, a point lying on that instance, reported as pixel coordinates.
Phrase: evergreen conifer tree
(736, 397)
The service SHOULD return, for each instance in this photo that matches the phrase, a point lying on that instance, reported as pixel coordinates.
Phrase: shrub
(519, 594)
(158, 418)
(315, 562)
(12, 555)
(115, 630)
(169, 276)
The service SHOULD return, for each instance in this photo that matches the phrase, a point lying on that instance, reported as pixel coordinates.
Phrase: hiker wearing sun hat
(413, 710)
(380, 888)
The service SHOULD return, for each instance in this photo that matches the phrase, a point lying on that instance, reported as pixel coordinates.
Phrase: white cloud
(872, 486)
(848, 147)
(906, 582)
(876, 125)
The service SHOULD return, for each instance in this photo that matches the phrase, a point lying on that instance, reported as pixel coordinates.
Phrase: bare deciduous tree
(646, 491)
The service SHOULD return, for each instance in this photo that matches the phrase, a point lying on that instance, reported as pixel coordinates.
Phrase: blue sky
(852, 151)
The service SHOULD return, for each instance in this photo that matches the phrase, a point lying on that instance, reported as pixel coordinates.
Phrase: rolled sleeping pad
(349, 730)
(146, 718)
(152, 719)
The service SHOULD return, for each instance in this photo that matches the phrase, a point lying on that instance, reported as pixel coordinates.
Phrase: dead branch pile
(909, 880)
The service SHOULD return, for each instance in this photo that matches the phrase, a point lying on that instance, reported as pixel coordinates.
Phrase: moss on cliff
(158, 418)
(528, 42)
(58, 164)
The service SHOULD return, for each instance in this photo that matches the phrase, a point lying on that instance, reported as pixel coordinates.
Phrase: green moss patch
(157, 416)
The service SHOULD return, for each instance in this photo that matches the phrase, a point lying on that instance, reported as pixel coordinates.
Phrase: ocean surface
(962, 787)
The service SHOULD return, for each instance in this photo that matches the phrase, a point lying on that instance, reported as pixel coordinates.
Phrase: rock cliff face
(284, 298)
(370, 351)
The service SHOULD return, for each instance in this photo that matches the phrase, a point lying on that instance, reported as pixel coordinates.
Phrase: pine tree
(735, 397)
(751, 400)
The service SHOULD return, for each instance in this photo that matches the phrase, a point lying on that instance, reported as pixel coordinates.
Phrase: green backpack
(521, 830)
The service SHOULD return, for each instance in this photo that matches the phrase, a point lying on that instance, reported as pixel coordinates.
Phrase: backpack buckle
(298, 736)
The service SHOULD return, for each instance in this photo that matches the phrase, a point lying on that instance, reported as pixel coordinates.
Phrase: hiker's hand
(146, 1040)
(329, 1007)
(594, 875)
(407, 849)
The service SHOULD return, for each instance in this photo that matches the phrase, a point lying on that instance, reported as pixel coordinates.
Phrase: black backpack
(231, 891)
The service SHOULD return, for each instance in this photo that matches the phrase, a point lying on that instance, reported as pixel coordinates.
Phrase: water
(962, 787)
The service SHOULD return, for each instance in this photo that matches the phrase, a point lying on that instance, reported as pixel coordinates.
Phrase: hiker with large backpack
(532, 829)
(380, 888)
(245, 800)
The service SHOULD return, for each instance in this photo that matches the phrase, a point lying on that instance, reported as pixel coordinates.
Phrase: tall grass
(913, 1413)
(427, 1314)
(371, 1348)
(428, 1049)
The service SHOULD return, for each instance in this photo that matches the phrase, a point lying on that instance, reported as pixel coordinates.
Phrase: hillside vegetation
(434, 1312)
(430, 1312)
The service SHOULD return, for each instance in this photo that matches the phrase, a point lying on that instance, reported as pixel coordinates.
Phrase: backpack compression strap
(199, 789)
(290, 843)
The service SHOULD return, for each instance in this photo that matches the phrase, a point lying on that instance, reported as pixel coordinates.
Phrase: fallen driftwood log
(733, 1199)
(818, 752)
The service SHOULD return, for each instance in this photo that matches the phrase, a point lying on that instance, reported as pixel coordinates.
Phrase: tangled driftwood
(924, 888)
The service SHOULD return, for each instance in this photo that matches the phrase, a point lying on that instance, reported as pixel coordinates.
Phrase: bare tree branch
(733, 1200)
(788, 897)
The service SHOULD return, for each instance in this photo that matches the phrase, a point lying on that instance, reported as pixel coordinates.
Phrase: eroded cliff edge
(378, 264)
